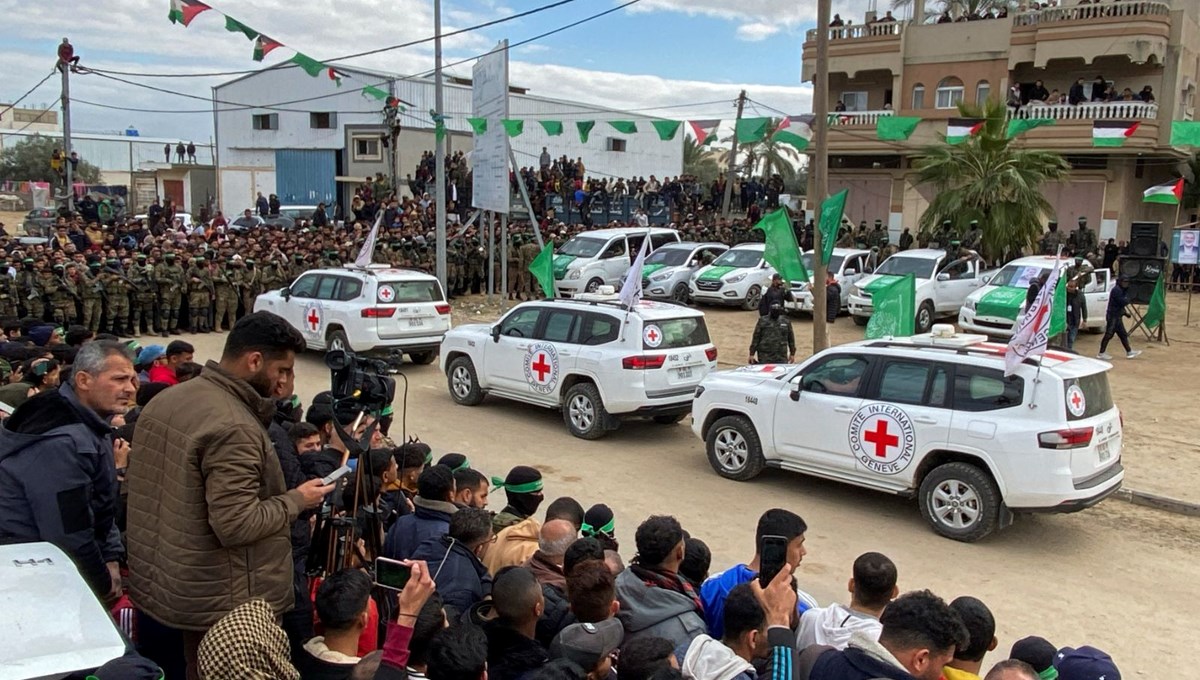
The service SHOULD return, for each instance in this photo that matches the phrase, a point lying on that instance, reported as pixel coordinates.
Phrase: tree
(29, 161)
(768, 156)
(984, 178)
(700, 161)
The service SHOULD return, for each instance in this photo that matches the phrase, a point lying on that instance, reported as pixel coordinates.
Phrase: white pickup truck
(944, 281)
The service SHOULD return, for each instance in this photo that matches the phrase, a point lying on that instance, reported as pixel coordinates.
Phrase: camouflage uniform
(248, 283)
(117, 291)
(973, 239)
(529, 251)
(773, 340)
(1083, 241)
(512, 255)
(29, 286)
(845, 239)
(476, 257)
(8, 292)
(877, 235)
(169, 277)
(145, 299)
(225, 296)
(1051, 240)
(91, 290)
(62, 296)
(272, 276)
(200, 291)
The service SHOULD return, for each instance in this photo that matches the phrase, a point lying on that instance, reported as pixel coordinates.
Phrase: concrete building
(280, 131)
(925, 68)
(29, 119)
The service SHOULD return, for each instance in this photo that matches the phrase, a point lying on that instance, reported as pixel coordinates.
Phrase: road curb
(1150, 500)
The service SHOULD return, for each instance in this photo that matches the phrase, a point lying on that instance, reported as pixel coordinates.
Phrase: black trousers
(1115, 326)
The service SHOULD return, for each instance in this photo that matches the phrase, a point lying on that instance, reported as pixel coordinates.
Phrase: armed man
(116, 289)
(8, 291)
(170, 278)
(248, 283)
(29, 285)
(773, 341)
(529, 252)
(973, 239)
(62, 295)
(200, 292)
(91, 291)
(145, 298)
(226, 297)
(1083, 241)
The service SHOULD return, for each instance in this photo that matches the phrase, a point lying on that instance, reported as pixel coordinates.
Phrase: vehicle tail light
(1066, 439)
(378, 312)
(442, 309)
(643, 362)
(711, 353)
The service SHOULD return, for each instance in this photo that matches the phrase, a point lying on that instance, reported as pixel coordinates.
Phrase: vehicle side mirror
(694, 263)
(943, 277)
(286, 292)
(850, 272)
(794, 395)
(986, 278)
(496, 333)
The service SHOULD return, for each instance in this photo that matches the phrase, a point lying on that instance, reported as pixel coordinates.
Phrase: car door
(955, 282)
(614, 260)
(853, 270)
(300, 302)
(811, 425)
(1096, 294)
(341, 308)
(555, 353)
(904, 416)
(324, 300)
(504, 358)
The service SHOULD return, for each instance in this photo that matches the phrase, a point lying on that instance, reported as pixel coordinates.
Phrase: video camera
(359, 381)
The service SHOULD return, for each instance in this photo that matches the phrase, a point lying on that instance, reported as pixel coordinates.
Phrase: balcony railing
(1089, 111)
(857, 117)
(875, 30)
(1119, 9)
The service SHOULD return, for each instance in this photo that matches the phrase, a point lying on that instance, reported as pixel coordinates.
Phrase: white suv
(931, 417)
(601, 257)
(995, 308)
(378, 311)
(943, 281)
(738, 277)
(588, 357)
(848, 265)
(668, 270)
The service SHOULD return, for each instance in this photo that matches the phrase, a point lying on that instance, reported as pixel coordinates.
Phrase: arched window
(983, 90)
(949, 93)
(918, 96)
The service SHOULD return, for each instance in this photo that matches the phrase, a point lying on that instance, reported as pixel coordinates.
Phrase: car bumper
(720, 297)
(801, 302)
(860, 306)
(1085, 494)
(988, 325)
(568, 288)
(420, 343)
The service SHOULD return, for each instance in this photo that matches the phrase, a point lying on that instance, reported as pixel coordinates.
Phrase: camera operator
(333, 453)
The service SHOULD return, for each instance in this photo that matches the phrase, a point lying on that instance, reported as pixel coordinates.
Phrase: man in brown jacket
(209, 511)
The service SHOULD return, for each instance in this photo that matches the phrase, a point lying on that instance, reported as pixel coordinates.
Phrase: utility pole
(440, 146)
(68, 169)
(391, 118)
(819, 171)
(741, 103)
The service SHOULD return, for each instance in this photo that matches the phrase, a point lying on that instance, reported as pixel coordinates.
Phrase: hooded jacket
(833, 626)
(514, 545)
(647, 611)
(58, 482)
(510, 654)
(209, 510)
(708, 659)
(429, 520)
(461, 578)
(863, 659)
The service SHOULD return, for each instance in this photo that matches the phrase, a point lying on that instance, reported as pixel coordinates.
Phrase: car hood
(748, 375)
(883, 279)
(471, 329)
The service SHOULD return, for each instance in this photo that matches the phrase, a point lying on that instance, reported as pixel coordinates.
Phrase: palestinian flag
(1170, 193)
(1112, 132)
(335, 75)
(794, 130)
(959, 129)
(183, 11)
(263, 46)
(705, 130)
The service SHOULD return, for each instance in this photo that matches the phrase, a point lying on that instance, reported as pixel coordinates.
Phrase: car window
(688, 331)
(561, 326)
(903, 382)
(599, 329)
(415, 291)
(985, 389)
(659, 240)
(305, 286)
(938, 388)
(350, 289)
(614, 249)
(840, 374)
(325, 287)
(959, 269)
(520, 324)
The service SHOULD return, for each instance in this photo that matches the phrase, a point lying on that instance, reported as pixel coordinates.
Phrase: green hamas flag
(666, 129)
(832, 210)
(311, 66)
(553, 128)
(1185, 133)
(1003, 302)
(542, 269)
(781, 251)
(234, 26)
(627, 127)
(1157, 311)
(374, 92)
(585, 129)
(896, 128)
(751, 130)
(715, 273)
(1017, 126)
(513, 127)
(1058, 308)
(894, 309)
(560, 264)
(478, 125)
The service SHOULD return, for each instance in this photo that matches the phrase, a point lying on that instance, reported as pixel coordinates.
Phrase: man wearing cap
(150, 357)
(1085, 663)
(589, 646)
(523, 489)
(169, 276)
(1114, 320)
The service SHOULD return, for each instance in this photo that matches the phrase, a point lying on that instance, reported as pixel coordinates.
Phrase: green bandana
(528, 487)
(60, 332)
(607, 529)
(715, 273)
(1050, 673)
(387, 411)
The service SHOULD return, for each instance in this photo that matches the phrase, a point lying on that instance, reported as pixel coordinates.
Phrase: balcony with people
(1109, 88)
(857, 46)
(1035, 14)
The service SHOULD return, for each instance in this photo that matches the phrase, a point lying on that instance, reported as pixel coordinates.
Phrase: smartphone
(391, 574)
(772, 555)
(336, 475)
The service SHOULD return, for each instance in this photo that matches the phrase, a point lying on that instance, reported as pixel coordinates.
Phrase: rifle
(70, 291)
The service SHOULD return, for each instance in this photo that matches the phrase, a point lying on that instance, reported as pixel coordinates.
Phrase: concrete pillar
(918, 8)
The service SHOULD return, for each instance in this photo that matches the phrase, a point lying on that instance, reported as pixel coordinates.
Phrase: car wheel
(337, 342)
(734, 449)
(752, 297)
(422, 358)
(860, 320)
(584, 413)
(681, 294)
(924, 317)
(463, 382)
(671, 419)
(960, 501)
(593, 286)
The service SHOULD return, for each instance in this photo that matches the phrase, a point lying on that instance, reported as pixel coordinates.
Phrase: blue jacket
(58, 482)
(714, 591)
(461, 578)
(1117, 299)
(429, 520)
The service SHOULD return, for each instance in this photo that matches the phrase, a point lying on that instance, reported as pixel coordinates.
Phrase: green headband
(429, 458)
(387, 411)
(607, 529)
(527, 487)
(59, 330)
(1050, 673)
(466, 465)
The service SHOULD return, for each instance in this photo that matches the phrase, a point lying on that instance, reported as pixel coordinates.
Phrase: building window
(366, 149)
(322, 120)
(855, 101)
(983, 90)
(266, 121)
(949, 93)
(615, 144)
(918, 98)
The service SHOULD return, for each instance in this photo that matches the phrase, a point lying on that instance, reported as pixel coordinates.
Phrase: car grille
(709, 286)
(993, 324)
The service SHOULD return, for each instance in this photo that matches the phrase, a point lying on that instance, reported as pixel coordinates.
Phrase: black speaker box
(1144, 238)
(1143, 273)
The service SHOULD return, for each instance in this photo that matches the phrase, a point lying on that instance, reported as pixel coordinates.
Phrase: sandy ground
(1108, 577)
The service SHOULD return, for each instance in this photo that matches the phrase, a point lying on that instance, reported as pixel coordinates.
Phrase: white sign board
(489, 160)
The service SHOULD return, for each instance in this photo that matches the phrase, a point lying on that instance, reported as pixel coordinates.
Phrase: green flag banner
(375, 92)
(311, 66)
(553, 128)
(781, 251)
(1156, 312)
(714, 273)
(234, 26)
(626, 127)
(542, 269)
(1058, 308)
(894, 311)
(560, 264)
(513, 127)
(585, 129)
(896, 128)
(478, 125)
(1017, 126)
(751, 130)
(791, 138)
(666, 129)
(1185, 133)
(832, 210)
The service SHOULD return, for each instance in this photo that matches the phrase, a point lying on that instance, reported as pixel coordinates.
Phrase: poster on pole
(489, 160)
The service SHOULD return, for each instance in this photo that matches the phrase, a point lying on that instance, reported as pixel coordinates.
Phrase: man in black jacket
(513, 650)
(776, 294)
(454, 560)
(58, 481)
(1114, 320)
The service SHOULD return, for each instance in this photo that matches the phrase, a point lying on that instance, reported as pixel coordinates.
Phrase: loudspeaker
(1143, 273)
(1144, 238)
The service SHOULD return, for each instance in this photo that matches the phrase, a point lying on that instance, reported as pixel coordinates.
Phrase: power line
(28, 92)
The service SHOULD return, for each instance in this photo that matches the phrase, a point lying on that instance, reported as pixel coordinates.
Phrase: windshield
(835, 262)
(1018, 275)
(582, 247)
(739, 257)
(686, 332)
(298, 212)
(671, 257)
(898, 265)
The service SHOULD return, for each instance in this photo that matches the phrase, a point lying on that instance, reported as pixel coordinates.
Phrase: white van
(601, 257)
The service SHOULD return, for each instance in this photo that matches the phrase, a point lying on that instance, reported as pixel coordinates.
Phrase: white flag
(1033, 332)
(368, 249)
(631, 290)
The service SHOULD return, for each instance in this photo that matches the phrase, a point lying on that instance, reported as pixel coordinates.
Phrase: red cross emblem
(313, 319)
(386, 293)
(881, 438)
(652, 335)
(1076, 400)
(541, 367)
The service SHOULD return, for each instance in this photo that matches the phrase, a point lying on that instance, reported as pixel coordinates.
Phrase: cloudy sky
(692, 55)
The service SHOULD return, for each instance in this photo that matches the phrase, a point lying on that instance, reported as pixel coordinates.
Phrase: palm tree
(956, 8)
(700, 161)
(984, 178)
(768, 156)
